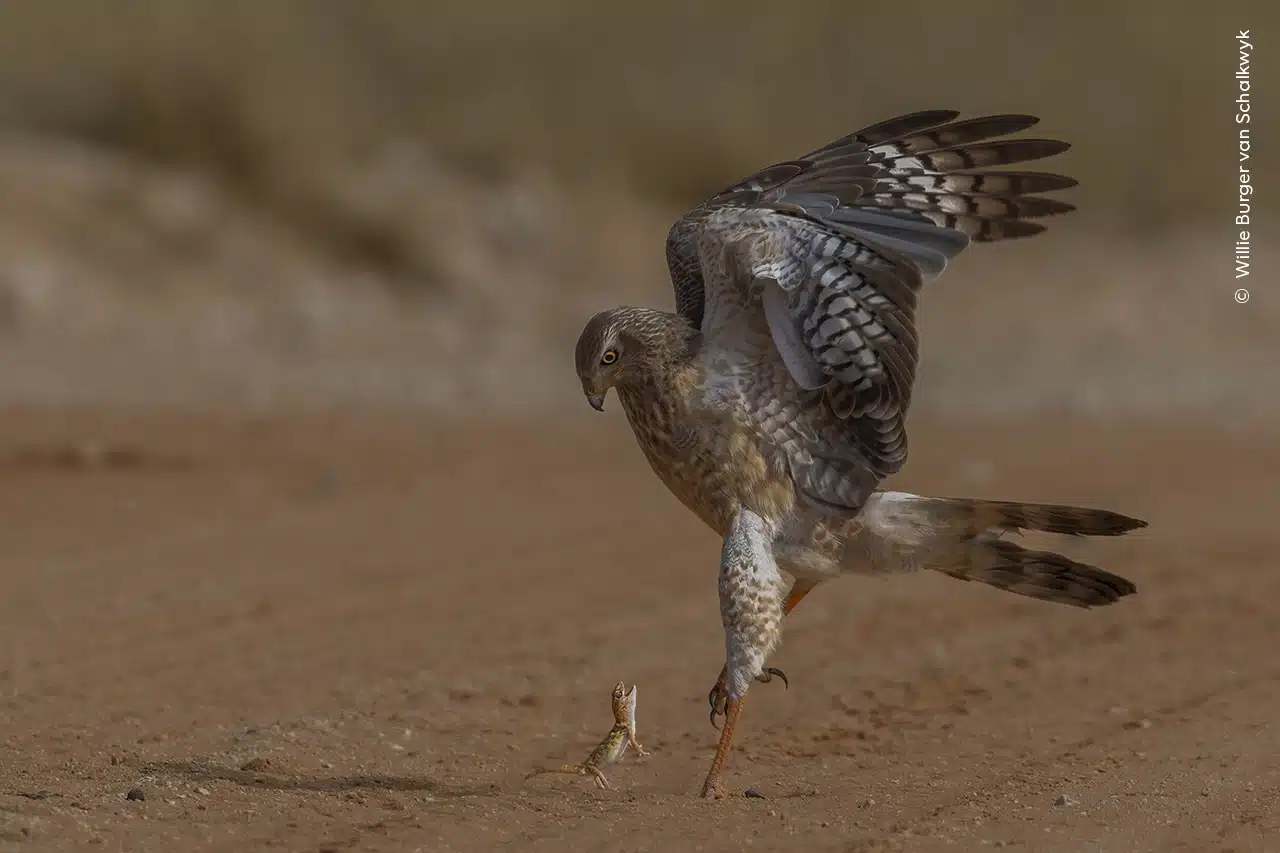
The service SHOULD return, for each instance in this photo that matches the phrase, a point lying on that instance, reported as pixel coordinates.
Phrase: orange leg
(798, 591)
(713, 788)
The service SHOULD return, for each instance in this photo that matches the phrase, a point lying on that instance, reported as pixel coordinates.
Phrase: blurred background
(322, 202)
(309, 540)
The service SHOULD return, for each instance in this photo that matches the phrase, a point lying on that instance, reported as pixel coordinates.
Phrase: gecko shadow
(206, 771)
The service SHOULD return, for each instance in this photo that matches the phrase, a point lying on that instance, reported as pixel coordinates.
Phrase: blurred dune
(311, 203)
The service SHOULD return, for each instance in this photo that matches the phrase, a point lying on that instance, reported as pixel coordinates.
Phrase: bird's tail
(962, 538)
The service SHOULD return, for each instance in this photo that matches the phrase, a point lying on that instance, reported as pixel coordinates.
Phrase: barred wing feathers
(837, 244)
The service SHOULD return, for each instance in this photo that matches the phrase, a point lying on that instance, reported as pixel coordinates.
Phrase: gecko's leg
(571, 769)
(634, 744)
(626, 717)
(751, 611)
(718, 697)
(575, 770)
(598, 774)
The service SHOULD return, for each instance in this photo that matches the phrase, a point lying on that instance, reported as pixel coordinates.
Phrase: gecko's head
(624, 345)
(624, 703)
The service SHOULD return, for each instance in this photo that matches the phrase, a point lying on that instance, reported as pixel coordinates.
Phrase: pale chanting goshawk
(774, 401)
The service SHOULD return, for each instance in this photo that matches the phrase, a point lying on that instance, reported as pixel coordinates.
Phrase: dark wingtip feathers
(899, 126)
(928, 151)
(936, 166)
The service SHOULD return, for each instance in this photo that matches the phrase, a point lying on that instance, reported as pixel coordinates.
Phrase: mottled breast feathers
(832, 249)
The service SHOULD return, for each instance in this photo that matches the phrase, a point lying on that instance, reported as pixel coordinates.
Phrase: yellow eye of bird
(609, 357)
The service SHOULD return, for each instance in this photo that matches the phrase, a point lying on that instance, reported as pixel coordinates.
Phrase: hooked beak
(596, 401)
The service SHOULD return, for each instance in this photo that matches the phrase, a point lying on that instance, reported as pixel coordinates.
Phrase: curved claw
(767, 676)
(718, 697)
(713, 699)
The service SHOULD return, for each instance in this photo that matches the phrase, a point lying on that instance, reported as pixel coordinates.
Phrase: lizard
(614, 744)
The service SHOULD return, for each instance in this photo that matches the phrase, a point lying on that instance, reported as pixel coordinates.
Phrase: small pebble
(753, 794)
(135, 794)
(1064, 800)
(204, 792)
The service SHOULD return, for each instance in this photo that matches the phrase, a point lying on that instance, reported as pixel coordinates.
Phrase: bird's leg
(751, 610)
(718, 697)
(713, 788)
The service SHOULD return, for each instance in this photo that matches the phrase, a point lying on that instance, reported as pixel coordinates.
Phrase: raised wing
(836, 245)
(918, 182)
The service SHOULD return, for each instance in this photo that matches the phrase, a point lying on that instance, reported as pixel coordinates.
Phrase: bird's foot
(714, 789)
(718, 698)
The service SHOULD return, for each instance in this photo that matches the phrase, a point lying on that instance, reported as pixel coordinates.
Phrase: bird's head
(615, 347)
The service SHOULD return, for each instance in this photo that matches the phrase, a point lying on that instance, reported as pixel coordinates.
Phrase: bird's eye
(609, 357)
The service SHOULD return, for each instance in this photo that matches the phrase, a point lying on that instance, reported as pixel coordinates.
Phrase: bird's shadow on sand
(200, 771)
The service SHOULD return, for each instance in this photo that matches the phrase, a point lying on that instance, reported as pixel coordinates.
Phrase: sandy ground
(358, 633)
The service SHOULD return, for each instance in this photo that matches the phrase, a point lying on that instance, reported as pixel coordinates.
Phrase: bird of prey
(773, 402)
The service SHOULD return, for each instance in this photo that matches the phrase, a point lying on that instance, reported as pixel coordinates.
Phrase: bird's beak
(596, 401)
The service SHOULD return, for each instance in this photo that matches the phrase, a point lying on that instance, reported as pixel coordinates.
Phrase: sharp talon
(767, 675)
(714, 698)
